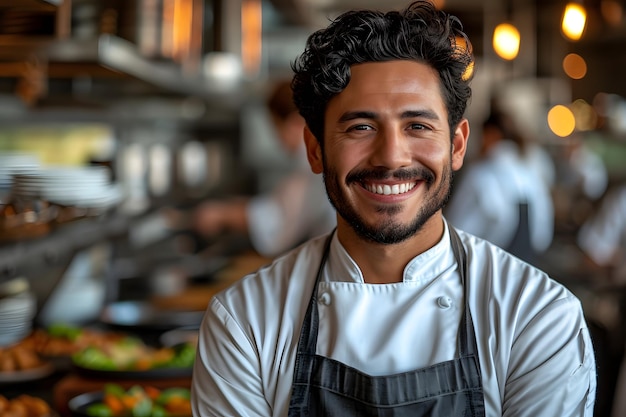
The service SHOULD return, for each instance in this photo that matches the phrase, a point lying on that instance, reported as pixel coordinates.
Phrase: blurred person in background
(296, 209)
(602, 237)
(503, 198)
(581, 181)
(582, 170)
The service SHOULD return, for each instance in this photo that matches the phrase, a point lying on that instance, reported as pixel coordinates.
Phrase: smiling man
(395, 313)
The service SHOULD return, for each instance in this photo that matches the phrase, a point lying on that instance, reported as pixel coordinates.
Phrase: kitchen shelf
(115, 70)
(60, 243)
(34, 21)
(121, 56)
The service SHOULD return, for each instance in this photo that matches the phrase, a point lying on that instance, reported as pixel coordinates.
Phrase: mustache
(403, 174)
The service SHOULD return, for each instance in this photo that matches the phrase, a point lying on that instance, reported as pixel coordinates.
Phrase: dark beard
(390, 232)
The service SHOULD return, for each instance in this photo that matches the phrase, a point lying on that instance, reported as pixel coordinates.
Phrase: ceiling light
(574, 21)
(506, 41)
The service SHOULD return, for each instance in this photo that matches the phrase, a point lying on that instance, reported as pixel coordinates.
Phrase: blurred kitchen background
(121, 108)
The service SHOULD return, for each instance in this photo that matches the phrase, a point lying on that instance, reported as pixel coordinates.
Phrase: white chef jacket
(297, 209)
(485, 201)
(534, 347)
(589, 170)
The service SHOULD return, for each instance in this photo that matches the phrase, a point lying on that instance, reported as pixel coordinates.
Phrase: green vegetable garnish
(159, 411)
(94, 358)
(67, 331)
(99, 410)
(143, 408)
(168, 393)
(130, 341)
(114, 389)
(184, 358)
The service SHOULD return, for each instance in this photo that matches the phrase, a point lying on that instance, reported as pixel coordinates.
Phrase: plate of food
(25, 405)
(59, 341)
(132, 358)
(137, 401)
(40, 371)
(20, 363)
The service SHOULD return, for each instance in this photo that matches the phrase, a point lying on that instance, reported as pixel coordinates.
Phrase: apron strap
(308, 334)
(466, 339)
(307, 344)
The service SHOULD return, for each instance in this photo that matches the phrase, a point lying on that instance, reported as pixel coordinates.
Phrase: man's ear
(313, 151)
(459, 144)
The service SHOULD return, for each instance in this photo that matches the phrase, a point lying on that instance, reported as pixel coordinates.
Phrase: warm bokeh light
(462, 46)
(585, 115)
(575, 66)
(574, 21)
(506, 41)
(181, 31)
(469, 71)
(251, 36)
(561, 121)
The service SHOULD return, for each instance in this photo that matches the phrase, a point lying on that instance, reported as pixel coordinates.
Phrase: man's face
(388, 159)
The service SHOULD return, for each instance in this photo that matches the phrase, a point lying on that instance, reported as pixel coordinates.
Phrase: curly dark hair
(419, 33)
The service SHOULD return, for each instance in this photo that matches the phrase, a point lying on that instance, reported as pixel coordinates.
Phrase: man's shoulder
(481, 250)
(502, 277)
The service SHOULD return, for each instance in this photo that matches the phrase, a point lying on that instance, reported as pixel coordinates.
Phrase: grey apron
(325, 387)
(521, 245)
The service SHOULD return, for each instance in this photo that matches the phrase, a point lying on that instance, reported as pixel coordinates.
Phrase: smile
(390, 189)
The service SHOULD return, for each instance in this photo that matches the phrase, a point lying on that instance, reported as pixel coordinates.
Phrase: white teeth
(390, 189)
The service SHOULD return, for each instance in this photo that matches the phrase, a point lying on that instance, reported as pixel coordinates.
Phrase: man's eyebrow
(427, 114)
(358, 114)
(408, 114)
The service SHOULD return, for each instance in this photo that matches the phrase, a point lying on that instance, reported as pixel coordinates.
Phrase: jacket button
(324, 299)
(444, 302)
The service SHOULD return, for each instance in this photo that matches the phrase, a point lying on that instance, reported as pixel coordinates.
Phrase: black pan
(157, 373)
(79, 404)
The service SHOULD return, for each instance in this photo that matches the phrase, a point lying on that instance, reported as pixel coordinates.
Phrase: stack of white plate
(83, 186)
(16, 317)
(12, 163)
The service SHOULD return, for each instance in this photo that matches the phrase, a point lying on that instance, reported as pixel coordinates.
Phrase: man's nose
(391, 149)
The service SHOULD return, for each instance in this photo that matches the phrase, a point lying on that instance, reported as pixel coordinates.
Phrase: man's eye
(418, 126)
(360, 127)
